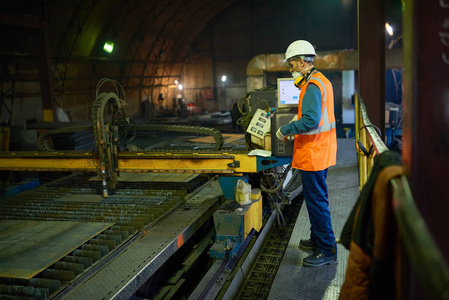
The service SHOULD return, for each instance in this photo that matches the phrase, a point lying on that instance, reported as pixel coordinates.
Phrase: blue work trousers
(316, 197)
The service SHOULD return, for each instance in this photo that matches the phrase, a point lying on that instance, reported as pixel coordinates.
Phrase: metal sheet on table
(154, 177)
(129, 271)
(28, 247)
(229, 138)
(81, 198)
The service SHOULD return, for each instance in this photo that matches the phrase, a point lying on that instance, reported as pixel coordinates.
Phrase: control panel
(281, 148)
(260, 124)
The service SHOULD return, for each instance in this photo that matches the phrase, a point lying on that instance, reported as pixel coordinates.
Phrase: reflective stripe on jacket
(316, 150)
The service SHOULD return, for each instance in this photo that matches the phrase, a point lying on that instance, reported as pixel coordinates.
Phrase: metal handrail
(427, 260)
(365, 134)
(376, 140)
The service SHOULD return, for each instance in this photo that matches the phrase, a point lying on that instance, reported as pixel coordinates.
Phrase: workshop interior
(138, 148)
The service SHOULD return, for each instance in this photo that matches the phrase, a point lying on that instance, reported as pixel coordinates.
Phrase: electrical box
(281, 118)
(268, 95)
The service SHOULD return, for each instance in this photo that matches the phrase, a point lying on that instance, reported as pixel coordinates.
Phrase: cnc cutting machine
(104, 230)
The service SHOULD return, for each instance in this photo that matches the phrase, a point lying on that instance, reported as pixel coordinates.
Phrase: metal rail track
(258, 283)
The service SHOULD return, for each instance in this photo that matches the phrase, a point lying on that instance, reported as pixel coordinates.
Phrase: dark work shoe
(319, 259)
(308, 245)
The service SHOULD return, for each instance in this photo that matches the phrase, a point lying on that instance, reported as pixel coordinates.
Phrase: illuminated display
(288, 93)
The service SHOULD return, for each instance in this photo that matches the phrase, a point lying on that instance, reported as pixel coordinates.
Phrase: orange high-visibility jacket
(316, 150)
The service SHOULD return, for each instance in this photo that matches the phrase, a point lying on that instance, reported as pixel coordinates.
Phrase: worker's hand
(295, 118)
(280, 136)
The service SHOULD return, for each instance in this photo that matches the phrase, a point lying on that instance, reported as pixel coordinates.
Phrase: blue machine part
(264, 163)
(24, 185)
(228, 183)
(391, 134)
(229, 219)
(229, 229)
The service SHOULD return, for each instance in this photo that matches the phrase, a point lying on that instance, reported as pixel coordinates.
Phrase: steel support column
(371, 33)
(426, 114)
(45, 73)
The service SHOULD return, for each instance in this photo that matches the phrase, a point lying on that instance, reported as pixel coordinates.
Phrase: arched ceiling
(151, 37)
(78, 28)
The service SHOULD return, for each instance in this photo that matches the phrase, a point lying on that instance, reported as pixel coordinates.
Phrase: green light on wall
(108, 47)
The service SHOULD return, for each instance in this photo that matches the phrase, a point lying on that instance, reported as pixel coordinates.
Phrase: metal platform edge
(123, 276)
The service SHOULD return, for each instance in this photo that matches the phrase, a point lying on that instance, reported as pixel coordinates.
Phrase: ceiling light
(108, 47)
(389, 29)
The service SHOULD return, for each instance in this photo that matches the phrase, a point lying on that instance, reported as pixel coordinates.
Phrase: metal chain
(44, 143)
(216, 134)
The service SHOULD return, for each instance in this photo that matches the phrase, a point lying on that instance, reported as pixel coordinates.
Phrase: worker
(314, 150)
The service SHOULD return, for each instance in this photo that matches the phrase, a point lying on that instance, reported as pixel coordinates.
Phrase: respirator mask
(301, 77)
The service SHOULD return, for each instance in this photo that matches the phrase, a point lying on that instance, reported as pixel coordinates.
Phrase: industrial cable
(246, 115)
(270, 191)
(245, 119)
(374, 126)
(114, 82)
(282, 180)
(279, 215)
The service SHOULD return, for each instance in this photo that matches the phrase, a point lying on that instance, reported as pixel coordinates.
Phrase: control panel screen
(288, 93)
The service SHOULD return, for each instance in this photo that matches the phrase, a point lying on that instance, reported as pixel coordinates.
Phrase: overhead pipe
(341, 60)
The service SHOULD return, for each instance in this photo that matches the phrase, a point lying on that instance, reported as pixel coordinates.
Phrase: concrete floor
(294, 281)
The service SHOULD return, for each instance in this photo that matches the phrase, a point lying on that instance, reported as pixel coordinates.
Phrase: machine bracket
(235, 164)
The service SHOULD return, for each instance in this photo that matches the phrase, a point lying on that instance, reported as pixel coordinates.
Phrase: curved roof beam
(157, 56)
(204, 13)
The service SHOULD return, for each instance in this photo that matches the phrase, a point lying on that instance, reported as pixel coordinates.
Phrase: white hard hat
(300, 48)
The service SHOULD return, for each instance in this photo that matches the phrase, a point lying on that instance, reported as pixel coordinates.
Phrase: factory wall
(224, 47)
(250, 28)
